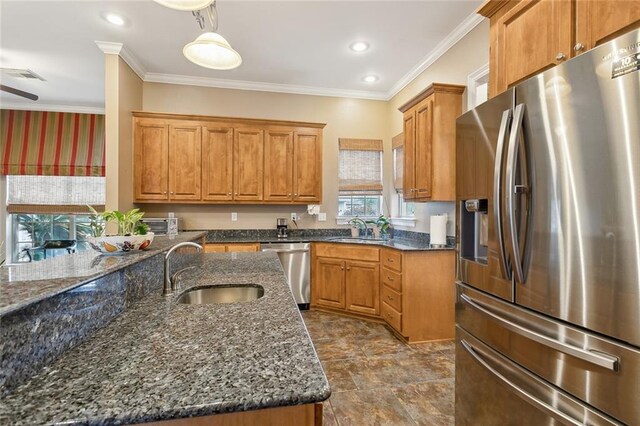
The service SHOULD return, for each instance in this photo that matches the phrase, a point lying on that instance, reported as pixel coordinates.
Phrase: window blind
(360, 166)
(54, 194)
(51, 143)
(397, 144)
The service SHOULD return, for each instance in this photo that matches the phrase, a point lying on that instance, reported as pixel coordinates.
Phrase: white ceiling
(296, 46)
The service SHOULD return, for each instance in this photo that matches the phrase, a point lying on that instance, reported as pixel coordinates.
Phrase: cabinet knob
(236, 193)
(289, 195)
(295, 195)
(348, 268)
(560, 57)
(342, 268)
(389, 316)
(164, 192)
(229, 194)
(171, 192)
(578, 47)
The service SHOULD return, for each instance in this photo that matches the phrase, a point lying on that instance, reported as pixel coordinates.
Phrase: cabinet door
(278, 166)
(151, 148)
(532, 37)
(363, 287)
(409, 131)
(307, 166)
(248, 171)
(217, 163)
(329, 286)
(423, 145)
(185, 160)
(599, 21)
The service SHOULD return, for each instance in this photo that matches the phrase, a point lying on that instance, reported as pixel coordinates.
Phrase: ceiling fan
(20, 73)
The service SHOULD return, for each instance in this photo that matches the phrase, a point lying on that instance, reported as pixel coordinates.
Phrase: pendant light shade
(188, 5)
(211, 50)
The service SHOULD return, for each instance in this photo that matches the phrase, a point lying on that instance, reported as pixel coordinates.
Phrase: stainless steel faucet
(169, 283)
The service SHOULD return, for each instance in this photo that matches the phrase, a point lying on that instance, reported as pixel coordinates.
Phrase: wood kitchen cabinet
(528, 37)
(293, 166)
(429, 143)
(412, 291)
(167, 158)
(217, 163)
(209, 160)
(346, 278)
(231, 248)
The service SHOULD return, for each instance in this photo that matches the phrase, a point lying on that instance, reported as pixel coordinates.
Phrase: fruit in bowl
(133, 235)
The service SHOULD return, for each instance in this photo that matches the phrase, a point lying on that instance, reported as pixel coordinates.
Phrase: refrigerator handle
(531, 399)
(512, 189)
(600, 359)
(497, 194)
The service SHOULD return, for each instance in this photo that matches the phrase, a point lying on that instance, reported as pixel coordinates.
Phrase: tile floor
(378, 380)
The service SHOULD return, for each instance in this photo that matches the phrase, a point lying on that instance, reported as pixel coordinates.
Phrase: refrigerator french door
(556, 320)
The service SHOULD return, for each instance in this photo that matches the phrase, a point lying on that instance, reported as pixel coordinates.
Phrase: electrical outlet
(294, 217)
(322, 217)
(234, 217)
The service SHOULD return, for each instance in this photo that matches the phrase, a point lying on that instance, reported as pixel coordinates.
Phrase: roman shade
(360, 166)
(397, 145)
(51, 143)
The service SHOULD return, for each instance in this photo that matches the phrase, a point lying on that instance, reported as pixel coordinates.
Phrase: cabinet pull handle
(578, 47)
(389, 297)
(390, 260)
(389, 278)
(560, 56)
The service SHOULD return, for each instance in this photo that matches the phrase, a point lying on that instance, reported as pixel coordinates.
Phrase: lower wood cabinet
(231, 248)
(412, 291)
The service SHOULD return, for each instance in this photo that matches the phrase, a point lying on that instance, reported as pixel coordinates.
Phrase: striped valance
(51, 143)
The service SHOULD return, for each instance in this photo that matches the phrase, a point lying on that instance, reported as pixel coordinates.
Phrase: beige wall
(467, 56)
(353, 118)
(123, 94)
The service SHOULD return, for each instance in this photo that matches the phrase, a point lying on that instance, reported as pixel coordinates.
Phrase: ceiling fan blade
(18, 92)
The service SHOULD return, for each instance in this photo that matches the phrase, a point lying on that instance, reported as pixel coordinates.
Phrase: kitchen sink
(226, 293)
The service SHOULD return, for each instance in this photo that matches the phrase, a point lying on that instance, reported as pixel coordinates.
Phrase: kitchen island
(161, 360)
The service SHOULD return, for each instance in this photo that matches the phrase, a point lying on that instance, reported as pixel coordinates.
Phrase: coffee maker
(282, 228)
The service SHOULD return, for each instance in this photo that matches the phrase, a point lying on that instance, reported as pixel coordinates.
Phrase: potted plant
(356, 225)
(132, 234)
(381, 228)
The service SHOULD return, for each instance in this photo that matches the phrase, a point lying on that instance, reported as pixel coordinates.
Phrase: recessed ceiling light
(370, 78)
(359, 46)
(114, 19)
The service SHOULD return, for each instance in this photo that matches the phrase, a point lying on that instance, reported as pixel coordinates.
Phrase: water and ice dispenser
(474, 230)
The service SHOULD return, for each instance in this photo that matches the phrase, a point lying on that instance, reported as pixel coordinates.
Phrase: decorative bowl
(117, 244)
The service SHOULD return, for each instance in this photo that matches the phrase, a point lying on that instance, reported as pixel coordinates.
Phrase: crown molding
(52, 108)
(262, 87)
(454, 36)
(109, 47)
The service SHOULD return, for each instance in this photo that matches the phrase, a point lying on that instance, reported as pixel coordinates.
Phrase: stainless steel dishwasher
(295, 259)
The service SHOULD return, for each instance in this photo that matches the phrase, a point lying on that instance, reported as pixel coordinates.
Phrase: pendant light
(188, 5)
(210, 49)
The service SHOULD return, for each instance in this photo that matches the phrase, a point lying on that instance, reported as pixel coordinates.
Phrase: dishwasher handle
(286, 250)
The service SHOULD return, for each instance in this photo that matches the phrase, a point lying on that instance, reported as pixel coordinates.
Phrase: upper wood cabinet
(217, 163)
(530, 36)
(185, 176)
(307, 166)
(151, 159)
(248, 174)
(197, 159)
(430, 143)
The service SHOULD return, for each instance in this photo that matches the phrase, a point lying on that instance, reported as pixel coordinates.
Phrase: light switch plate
(234, 217)
(294, 216)
(322, 217)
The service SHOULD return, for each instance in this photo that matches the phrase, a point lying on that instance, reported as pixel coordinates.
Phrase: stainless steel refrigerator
(548, 291)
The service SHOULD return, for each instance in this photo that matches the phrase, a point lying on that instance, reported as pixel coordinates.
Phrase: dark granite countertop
(24, 284)
(161, 360)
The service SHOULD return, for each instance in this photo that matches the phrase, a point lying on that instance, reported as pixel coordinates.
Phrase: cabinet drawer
(392, 259)
(392, 279)
(215, 248)
(392, 317)
(348, 251)
(392, 298)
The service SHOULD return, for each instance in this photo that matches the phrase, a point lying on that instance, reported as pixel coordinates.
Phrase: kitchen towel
(438, 229)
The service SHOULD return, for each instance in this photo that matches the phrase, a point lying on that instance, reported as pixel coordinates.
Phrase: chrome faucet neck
(169, 284)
